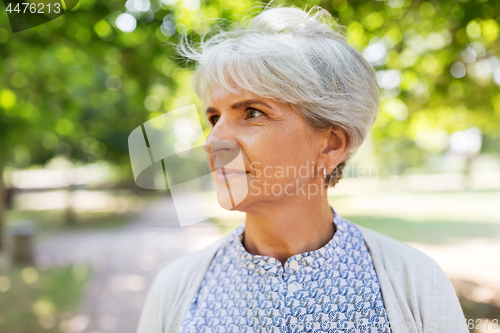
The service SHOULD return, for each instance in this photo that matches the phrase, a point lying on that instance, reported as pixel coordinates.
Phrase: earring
(324, 173)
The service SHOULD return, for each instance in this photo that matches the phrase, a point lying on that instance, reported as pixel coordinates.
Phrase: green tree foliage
(78, 85)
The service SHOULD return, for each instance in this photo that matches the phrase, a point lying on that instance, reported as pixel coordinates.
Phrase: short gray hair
(293, 56)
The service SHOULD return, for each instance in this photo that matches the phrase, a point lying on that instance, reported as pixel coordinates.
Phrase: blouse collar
(306, 262)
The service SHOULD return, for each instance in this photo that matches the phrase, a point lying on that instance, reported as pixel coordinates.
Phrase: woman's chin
(231, 199)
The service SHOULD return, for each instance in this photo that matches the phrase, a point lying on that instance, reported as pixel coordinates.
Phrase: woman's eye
(214, 119)
(255, 113)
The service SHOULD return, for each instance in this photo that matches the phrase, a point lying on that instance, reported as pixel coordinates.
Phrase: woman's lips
(228, 174)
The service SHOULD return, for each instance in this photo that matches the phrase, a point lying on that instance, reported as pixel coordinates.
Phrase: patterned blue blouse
(332, 289)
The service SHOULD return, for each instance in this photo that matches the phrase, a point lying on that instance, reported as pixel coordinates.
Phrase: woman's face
(279, 151)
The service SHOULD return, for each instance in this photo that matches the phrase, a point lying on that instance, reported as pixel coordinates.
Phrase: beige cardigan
(416, 291)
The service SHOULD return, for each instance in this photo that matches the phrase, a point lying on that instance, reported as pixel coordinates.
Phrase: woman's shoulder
(400, 259)
(189, 269)
(401, 262)
(395, 253)
(414, 281)
(191, 263)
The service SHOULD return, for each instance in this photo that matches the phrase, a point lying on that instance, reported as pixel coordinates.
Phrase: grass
(437, 232)
(32, 300)
(50, 220)
(442, 218)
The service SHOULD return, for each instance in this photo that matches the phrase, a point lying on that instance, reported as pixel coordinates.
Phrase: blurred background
(80, 243)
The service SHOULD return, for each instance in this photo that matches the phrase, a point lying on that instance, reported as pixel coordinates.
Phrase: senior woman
(292, 94)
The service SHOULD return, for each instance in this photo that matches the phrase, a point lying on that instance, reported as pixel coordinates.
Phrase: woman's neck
(284, 229)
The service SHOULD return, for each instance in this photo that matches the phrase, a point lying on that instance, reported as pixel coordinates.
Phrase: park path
(124, 263)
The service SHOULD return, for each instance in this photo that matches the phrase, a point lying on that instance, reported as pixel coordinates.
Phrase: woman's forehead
(219, 95)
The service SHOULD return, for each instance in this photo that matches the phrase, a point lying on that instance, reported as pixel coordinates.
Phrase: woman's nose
(221, 144)
(221, 137)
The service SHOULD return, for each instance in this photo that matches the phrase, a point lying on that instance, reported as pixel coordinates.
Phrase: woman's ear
(335, 148)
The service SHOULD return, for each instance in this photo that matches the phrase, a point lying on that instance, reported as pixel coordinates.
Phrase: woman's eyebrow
(240, 105)
(244, 104)
(210, 110)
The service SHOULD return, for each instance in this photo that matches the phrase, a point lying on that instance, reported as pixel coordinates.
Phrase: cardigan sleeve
(151, 318)
(418, 290)
(448, 315)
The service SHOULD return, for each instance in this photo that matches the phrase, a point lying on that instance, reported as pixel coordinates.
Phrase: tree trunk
(466, 174)
(2, 208)
(71, 217)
